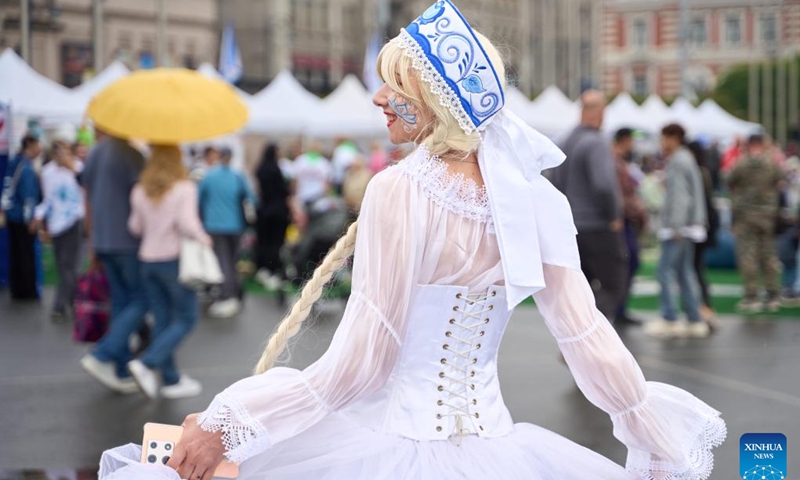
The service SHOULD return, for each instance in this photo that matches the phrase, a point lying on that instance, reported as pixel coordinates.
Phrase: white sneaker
(225, 308)
(698, 330)
(106, 373)
(263, 277)
(146, 379)
(268, 281)
(186, 387)
(664, 329)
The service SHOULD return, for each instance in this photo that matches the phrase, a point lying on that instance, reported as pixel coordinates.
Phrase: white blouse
(420, 225)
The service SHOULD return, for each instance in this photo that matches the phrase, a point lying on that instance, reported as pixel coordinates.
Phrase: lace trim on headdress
(439, 87)
(452, 191)
(242, 435)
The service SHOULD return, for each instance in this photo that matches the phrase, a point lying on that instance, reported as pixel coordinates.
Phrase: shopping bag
(92, 307)
(198, 267)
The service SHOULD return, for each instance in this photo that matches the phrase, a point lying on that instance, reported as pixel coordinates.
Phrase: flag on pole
(371, 78)
(230, 58)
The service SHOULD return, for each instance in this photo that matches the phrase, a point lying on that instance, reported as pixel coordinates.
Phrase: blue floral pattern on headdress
(432, 13)
(454, 64)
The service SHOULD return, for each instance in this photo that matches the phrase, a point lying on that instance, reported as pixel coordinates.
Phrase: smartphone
(159, 442)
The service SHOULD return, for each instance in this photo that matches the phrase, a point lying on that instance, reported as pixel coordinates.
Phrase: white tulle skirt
(338, 449)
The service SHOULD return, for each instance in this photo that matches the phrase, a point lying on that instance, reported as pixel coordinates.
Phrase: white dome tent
(554, 114)
(714, 121)
(624, 112)
(33, 95)
(283, 107)
(348, 112)
(87, 90)
(519, 103)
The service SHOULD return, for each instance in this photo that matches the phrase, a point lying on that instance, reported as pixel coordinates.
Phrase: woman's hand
(198, 453)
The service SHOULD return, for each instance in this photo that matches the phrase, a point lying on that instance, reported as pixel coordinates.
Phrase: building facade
(641, 41)
(61, 34)
(544, 42)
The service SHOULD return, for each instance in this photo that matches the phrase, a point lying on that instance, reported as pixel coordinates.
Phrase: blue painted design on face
(404, 110)
(473, 84)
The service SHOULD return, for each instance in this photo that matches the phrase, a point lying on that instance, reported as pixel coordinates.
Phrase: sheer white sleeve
(668, 431)
(260, 411)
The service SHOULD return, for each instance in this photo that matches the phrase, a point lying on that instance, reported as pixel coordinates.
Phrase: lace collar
(452, 191)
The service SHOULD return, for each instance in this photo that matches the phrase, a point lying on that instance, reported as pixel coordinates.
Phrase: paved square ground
(54, 416)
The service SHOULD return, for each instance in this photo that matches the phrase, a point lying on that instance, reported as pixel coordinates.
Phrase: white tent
(655, 113)
(284, 107)
(519, 103)
(87, 90)
(348, 112)
(33, 95)
(554, 114)
(714, 121)
(208, 70)
(624, 112)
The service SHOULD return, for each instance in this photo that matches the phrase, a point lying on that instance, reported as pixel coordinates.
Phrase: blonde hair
(164, 168)
(443, 135)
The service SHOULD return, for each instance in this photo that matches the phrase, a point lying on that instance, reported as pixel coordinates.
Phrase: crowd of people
(127, 209)
(618, 197)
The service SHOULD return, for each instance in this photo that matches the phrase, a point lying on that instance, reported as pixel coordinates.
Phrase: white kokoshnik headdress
(532, 220)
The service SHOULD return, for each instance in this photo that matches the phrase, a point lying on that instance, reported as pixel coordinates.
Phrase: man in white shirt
(313, 176)
(62, 210)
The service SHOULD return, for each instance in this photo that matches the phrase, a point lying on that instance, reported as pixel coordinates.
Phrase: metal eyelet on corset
(455, 309)
(474, 401)
(452, 321)
(474, 361)
(477, 415)
(448, 334)
(445, 346)
(443, 361)
(491, 307)
(472, 373)
(440, 388)
(439, 416)
(478, 346)
(481, 427)
(439, 429)
(441, 374)
(472, 386)
(494, 293)
(482, 333)
(439, 402)
(486, 321)
(458, 296)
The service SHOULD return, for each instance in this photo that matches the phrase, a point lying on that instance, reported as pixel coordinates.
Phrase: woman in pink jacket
(164, 209)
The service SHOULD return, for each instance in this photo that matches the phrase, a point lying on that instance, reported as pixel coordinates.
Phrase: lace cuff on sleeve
(242, 435)
(674, 420)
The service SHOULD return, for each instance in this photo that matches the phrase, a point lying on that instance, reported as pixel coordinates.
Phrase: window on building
(640, 87)
(640, 39)
(733, 30)
(697, 31)
(769, 28)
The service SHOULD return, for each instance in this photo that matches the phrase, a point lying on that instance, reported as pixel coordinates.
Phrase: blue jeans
(128, 308)
(797, 273)
(175, 310)
(677, 264)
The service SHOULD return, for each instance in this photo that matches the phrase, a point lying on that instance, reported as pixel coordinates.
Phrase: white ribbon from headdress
(532, 219)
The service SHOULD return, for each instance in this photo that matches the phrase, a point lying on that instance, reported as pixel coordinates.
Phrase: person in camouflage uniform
(754, 188)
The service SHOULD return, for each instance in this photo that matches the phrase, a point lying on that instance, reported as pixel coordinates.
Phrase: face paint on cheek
(406, 111)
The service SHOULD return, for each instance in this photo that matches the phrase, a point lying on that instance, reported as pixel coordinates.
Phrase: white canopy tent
(209, 71)
(283, 107)
(714, 121)
(554, 114)
(624, 112)
(348, 112)
(519, 103)
(87, 90)
(33, 95)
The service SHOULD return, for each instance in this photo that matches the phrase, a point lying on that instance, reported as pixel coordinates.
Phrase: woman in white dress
(447, 244)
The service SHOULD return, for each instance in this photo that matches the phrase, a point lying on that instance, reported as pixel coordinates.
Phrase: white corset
(445, 382)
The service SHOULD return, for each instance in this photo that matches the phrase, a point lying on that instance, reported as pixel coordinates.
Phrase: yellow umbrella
(168, 106)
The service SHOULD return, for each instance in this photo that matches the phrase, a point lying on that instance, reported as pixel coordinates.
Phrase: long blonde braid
(290, 326)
